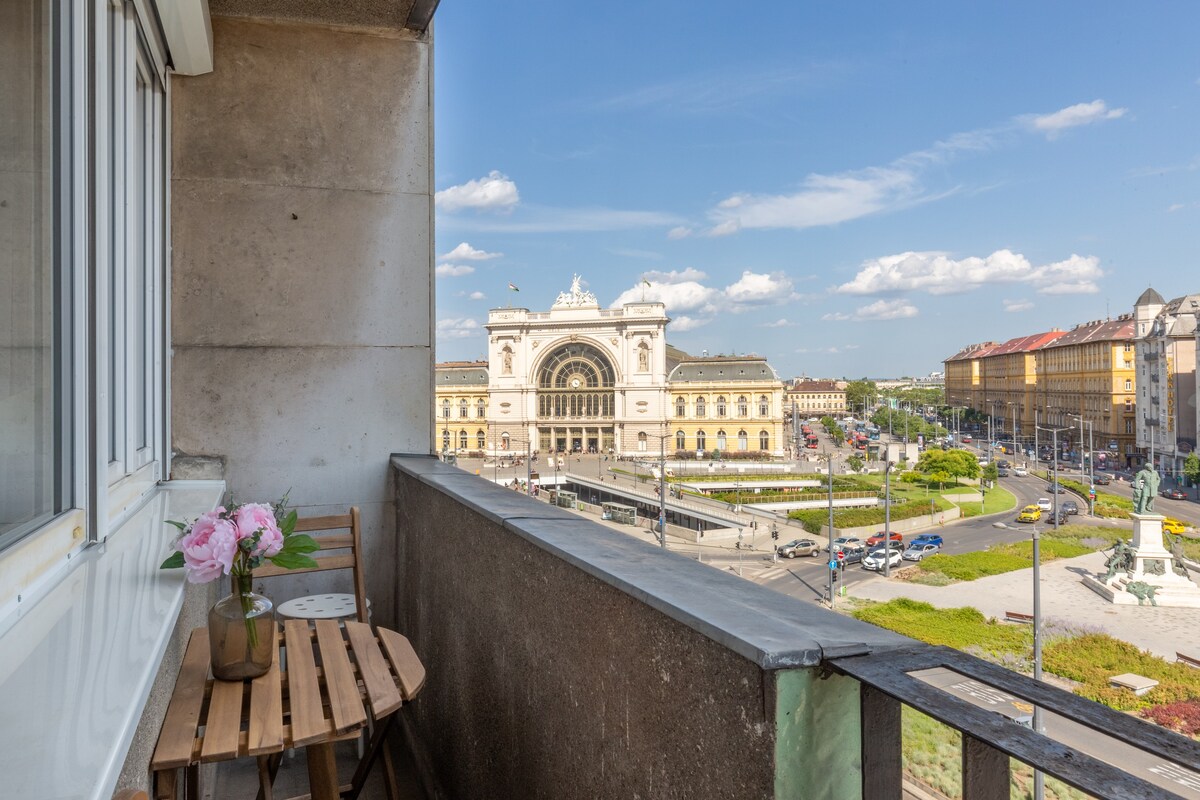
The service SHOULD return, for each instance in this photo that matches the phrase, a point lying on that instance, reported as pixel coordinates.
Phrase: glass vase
(241, 633)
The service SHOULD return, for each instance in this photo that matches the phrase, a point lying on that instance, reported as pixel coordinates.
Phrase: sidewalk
(1162, 631)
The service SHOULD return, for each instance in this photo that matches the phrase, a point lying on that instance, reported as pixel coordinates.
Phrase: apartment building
(1168, 337)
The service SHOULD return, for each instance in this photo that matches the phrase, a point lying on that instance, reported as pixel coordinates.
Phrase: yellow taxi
(1029, 514)
(1174, 526)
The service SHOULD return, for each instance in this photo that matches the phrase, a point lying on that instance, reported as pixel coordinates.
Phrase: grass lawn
(960, 628)
(995, 500)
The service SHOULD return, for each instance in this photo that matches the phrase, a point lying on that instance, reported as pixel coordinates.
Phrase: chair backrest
(341, 548)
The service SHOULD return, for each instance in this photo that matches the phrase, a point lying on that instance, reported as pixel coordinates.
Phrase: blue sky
(847, 189)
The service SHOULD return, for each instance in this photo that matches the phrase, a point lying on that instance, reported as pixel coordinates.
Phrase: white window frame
(103, 51)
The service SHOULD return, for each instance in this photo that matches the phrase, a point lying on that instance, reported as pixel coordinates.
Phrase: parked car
(1044, 504)
(915, 552)
(966, 439)
(843, 542)
(926, 538)
(799, 547)
(877, 539)
(1020, 472)
(1029, 514)
(851, 555)
(1174, 526)
(1101, 479)
(1174, 494)
(876, 558)
(1069, 506)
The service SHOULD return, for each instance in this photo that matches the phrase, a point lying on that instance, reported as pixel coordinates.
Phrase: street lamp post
(1038, 779)
(1054, 485)
(832, 555)
(1091, 472)
(887, 519)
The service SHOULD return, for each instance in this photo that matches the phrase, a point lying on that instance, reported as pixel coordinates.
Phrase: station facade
(581, 378)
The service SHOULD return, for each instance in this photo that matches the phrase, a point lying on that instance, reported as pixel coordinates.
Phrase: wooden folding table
(338, 678)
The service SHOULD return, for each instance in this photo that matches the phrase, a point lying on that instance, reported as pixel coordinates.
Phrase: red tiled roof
(1100, 331)
(1025, 344)
(972, 351)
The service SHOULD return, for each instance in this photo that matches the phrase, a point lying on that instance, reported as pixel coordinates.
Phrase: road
(804, 577)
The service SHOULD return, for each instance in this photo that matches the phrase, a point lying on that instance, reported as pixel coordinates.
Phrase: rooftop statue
(576, 298)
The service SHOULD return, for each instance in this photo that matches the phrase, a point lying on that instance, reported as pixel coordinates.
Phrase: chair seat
(321, 606)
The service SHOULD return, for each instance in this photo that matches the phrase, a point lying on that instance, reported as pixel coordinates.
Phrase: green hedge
(1094, 658)
(813, 519)
(1108, 505)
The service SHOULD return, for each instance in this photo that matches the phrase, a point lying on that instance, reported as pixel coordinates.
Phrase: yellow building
(461, 406)
(733, 404)
(1089, 373)
(965, 385)
(816, 398)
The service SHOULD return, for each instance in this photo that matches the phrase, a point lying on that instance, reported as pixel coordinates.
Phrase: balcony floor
(239, 779)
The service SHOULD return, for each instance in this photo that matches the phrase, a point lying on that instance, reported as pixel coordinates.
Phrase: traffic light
(774, 533)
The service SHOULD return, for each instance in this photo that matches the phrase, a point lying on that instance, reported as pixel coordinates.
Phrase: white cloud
(457, 328)
(543, 219)
(684, 291)
(494, 192)
(887, 309)
(821, 200)
(679, 232)
(477, 296)
(879, 310)
(779, 323)
(1073, 116)
(631, 252)
(1013, 306)
(760, 288)
(1174, 207)
(830, 199)
(681, 324)
(938, 274)
(464, 252)
(453, 270)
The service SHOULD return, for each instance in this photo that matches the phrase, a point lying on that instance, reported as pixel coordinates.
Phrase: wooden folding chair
(341, 549)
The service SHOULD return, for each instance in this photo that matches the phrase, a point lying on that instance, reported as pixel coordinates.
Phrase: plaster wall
(302, 284)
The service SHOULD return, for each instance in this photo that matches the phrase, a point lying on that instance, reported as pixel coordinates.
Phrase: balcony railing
(563, 654)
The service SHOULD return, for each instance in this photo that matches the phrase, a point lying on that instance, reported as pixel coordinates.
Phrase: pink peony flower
(209, 548)
(253, 517)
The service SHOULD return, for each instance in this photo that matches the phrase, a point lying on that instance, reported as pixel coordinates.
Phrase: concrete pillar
(302, 268)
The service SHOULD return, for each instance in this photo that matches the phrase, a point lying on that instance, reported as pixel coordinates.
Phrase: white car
(1044, 504)
(874, 559)
(1020, 472)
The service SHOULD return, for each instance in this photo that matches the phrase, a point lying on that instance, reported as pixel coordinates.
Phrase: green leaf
(174, 561)
(182, 526)
(292, 560)
(289, 524)
(299, 543)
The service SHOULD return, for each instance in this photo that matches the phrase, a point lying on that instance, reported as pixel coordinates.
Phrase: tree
(857, 393)
(1191, 469)
(855, 463)
(991, 473)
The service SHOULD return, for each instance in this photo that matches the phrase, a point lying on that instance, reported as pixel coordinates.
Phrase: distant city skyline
(844, 192)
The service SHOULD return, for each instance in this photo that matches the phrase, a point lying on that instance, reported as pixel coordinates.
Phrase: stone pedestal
(1151, 564)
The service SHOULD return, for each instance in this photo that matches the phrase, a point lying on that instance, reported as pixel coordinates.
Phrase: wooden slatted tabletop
(338, 676)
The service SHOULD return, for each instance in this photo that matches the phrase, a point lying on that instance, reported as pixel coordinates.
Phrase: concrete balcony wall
(302, 268)
(566, 659)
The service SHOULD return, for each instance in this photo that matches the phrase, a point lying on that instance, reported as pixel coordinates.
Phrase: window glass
(35, 148)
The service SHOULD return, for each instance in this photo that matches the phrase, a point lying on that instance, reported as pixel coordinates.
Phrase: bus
(810, 441)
